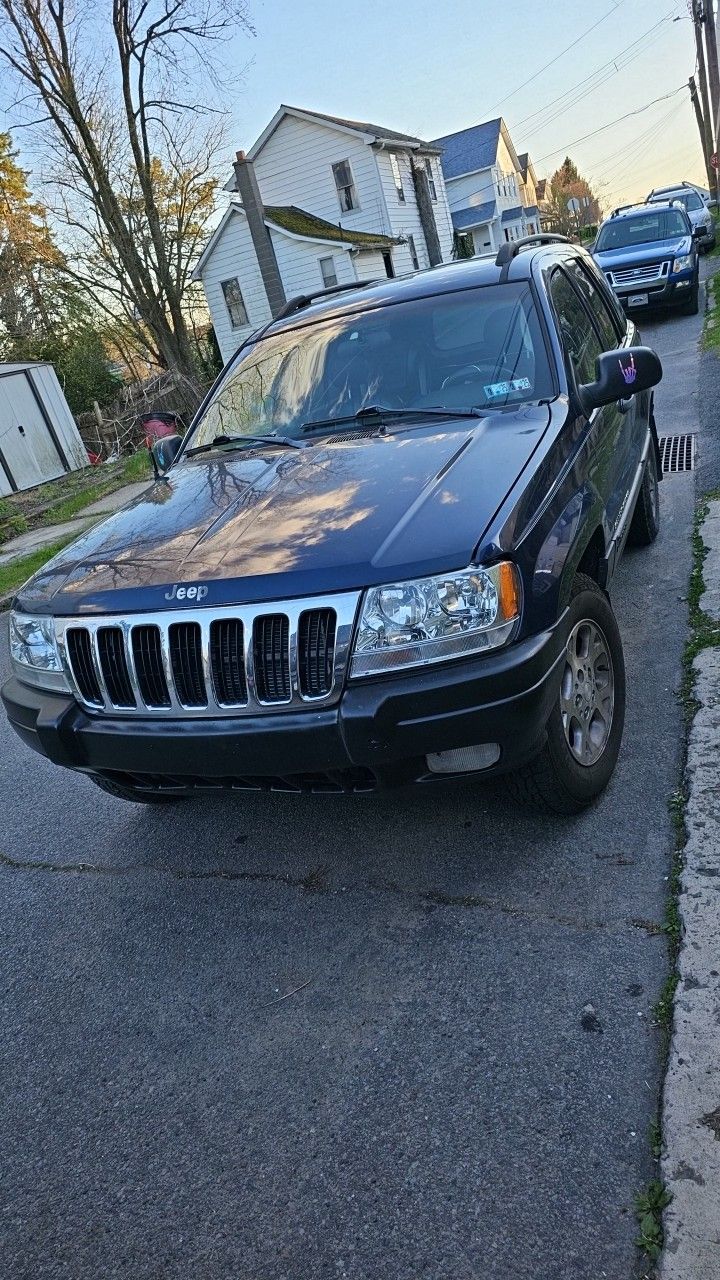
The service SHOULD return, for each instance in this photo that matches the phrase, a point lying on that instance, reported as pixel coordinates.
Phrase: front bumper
(671, 292)
(382, 729)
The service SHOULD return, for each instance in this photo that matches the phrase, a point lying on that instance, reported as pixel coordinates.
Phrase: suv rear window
(479, 347)
(645, 228)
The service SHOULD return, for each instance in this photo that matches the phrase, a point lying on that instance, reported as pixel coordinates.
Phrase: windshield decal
(495, 389)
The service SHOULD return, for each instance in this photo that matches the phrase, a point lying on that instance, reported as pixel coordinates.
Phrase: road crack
(317, 881)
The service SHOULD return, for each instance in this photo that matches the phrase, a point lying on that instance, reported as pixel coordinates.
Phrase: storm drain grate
(677, 453)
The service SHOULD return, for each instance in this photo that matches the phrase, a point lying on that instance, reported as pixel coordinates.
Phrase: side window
(596, 303)
(328, 272)
(576, 328)
(235, 304)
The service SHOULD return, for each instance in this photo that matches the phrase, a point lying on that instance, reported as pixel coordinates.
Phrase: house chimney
(247, 186)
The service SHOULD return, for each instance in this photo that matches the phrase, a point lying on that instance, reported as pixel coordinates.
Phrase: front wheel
(584, 732)
(645, 523)
(692, 306)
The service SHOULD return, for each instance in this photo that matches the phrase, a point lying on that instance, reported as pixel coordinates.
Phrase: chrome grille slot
(114, 666)
(186, 660)
(649, 273)
(79, 648)
(227, 662)
(271, 658)
(199, 662)
(316, 647)
(149, 669)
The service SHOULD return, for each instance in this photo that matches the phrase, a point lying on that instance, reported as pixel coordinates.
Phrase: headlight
(409, 624)
(683, 264)
(34, 652)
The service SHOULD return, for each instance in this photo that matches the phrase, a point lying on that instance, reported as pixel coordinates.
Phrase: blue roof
(472, 217)
(470, 149)
(512, 215)
(531, 211)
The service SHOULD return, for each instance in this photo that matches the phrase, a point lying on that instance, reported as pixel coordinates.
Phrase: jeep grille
(207, 662)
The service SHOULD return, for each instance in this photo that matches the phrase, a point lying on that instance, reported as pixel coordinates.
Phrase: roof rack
(512, 248)
(636, 204)
(304, 299)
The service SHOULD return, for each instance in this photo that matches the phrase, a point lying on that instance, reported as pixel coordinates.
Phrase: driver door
(611, 433)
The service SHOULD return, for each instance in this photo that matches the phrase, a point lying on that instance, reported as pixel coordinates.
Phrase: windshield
(476, 348)
(645, 228)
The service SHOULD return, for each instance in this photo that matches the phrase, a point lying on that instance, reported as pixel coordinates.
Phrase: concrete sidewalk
(691, 1102)
(46, 535)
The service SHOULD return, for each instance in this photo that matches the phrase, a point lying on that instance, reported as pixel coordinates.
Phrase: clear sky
(430, 69)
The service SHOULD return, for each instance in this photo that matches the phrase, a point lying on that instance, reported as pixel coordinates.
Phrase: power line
(628, 114)
(552, 61)
(607, 70)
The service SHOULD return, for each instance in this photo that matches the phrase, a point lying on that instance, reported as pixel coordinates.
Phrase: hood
(275, 524)
(637, 254)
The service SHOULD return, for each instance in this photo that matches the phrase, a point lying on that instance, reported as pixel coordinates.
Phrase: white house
(318, 201)
(491, 190)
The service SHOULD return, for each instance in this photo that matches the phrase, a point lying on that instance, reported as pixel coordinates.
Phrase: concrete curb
(691, 1100)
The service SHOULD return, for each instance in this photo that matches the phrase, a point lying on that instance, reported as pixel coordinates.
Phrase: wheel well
(593, 558)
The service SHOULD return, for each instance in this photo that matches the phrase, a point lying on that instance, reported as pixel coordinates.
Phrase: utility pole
(712, 58)
(707, 117)
(701, 130)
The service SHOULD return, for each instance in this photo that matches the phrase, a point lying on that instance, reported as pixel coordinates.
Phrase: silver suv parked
(700, 216)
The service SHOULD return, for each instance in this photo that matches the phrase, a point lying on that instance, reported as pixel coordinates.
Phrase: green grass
(14, 574)
(711, 327)
(649, 1207)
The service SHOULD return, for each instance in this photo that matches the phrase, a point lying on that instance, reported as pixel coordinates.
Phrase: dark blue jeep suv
(649, 255)
(381, 553)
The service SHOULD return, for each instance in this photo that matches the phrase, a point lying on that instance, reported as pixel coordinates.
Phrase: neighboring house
(319, 201)
(492, 193)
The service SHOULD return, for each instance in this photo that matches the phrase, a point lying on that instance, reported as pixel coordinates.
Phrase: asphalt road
(275, 1037)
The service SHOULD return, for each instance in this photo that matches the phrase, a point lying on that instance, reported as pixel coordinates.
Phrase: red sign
(714, 161)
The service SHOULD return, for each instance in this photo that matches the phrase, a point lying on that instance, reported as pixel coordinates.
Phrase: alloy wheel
(587, 692)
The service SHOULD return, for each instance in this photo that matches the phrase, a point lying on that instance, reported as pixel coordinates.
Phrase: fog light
(682, 284)
(464, 759)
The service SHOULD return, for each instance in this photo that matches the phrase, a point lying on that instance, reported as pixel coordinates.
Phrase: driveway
(402, 1036)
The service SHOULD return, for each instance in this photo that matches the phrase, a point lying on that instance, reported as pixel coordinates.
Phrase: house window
(413, 253)
(431, 179)
(397, 176)
(328, 272)
(347, 195)
(235, 304)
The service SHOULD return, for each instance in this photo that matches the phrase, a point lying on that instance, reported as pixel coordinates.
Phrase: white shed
(38, 437)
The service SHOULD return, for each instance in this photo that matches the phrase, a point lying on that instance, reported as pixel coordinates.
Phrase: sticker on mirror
(505, 388)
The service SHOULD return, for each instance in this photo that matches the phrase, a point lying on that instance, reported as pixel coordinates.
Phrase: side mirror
(620, 374)
(163, 453)
(698, 233)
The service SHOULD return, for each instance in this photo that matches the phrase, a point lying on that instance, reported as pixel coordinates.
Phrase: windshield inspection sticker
(504, 388)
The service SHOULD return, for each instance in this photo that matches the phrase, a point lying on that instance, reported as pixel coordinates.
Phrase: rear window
(479, 347)
(645, 228)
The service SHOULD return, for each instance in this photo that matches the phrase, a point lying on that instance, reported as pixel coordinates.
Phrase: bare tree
(134, 164)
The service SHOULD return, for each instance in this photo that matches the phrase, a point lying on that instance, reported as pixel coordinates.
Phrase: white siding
(369, 265)
(295, 167)
(299, 263)
(234, 257)
(404, 217)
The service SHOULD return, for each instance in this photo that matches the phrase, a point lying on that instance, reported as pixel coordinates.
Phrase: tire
(692, 306)
(556, 781)
(645, 523)
(135, 797)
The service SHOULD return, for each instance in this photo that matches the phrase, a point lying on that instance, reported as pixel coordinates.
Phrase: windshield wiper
(278, 442)
(373, 412)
